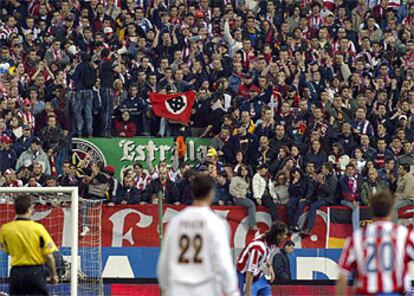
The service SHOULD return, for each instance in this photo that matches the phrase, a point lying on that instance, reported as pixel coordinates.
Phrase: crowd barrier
(130, 241)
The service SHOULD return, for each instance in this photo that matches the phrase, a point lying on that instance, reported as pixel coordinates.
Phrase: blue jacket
(223, 194)
(135, 106)
(7, 159)
(344, 190)
(21, 145)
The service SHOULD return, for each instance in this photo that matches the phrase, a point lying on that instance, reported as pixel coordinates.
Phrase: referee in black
(30, 247)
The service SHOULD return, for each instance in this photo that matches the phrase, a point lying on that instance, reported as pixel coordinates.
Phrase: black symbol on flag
(177, 105)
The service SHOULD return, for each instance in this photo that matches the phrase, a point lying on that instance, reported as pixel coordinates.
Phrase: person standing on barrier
(31, 247)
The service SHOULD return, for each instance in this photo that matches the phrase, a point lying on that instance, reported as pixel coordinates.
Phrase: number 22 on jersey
(191, 247)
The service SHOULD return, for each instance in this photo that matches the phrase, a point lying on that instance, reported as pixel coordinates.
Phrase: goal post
(59, 197)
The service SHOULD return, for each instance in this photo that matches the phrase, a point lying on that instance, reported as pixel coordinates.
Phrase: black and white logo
(83, 148)
(176, 105)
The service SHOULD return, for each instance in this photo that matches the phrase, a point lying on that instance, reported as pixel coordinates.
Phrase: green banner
(123, 152)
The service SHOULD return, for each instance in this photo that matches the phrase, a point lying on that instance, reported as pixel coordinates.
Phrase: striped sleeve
(347, 261)
(254, 259)
(410, 245)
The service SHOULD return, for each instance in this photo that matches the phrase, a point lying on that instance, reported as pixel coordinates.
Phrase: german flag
(340, 224)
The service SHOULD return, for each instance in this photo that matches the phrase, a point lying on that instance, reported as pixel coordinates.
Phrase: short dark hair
(405, 166)
(202, 185)
(271, 236)
(381, 203)
(328, 166)
(289, 243)
(223, 174)
(22, 204)
(350, 165)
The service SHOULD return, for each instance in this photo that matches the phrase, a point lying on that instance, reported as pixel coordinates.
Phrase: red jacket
(129, 128)
(245, 90)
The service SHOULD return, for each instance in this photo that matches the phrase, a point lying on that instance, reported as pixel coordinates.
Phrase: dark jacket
(299, 189)
(327, 189)
(107, 74)
(281, 266)
(131, 196)
(230, 148)
(345, 192)
(223, 194)
(135, 106)
(52, 138)
(7, 159)
(319, 158)
(79, 76)
(21, 145)
(155, 187)
(275, 144)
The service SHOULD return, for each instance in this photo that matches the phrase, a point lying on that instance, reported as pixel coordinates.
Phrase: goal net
(75, 226)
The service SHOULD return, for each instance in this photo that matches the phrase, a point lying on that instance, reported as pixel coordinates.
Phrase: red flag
(176, 107)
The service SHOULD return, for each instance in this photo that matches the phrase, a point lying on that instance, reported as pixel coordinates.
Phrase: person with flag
(378, 255)
(255, 259)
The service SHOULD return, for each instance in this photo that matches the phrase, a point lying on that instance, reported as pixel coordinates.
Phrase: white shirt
(196, 250)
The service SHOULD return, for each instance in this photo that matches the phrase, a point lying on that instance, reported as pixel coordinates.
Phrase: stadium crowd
(308, 103)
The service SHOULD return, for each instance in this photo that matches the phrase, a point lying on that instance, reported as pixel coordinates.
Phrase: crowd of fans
(308, 103)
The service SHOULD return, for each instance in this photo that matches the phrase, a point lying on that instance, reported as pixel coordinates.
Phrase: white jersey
(196, 250)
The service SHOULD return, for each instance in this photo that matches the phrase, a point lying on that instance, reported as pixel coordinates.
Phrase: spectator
(56, 54)
(349, 188)
(240, 190)
(265, 154)
(222, 196)
(325, 191)
(34, 154)
(316, 154)
(68, 177)
(338, 158)
(11, 179)
(141, 179)
(261, 193)
(125, 127)
(136, 107)
(23, 143)
(407, 156)
(221, 139)
(371, 186)
(279, 189)
(107, 78)
(212, 158)
(389, 173)
(280, 138)
(404, 193)
(84, 79)
(297, 191)
(281, 264)
(53, 141)
(38, 173)
(162, 187)
(184, 186)
(7, 155)
(126, 193)
(96, 182)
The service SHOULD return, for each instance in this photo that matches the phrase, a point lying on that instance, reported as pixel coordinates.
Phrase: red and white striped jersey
(379, 255)
(254, 257)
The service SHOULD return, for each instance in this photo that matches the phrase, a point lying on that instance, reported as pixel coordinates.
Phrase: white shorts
(210, 288)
